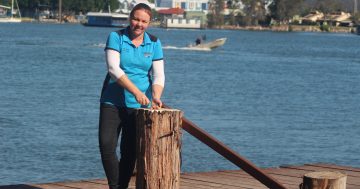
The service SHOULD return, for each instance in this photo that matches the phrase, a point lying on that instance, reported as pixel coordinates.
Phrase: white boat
(11, 19)
(209, 45)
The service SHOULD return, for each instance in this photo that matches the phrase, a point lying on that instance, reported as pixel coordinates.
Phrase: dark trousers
(114, 121)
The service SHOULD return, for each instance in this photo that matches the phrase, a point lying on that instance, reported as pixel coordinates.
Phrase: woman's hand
(142, 99)
(156, 103)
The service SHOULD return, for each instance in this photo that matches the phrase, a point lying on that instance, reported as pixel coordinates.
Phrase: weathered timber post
(158, 148)
(324, 179)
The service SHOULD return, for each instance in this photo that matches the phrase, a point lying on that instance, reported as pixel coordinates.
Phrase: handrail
(229, 154)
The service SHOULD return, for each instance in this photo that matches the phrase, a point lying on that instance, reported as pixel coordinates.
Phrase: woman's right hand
(142, 99)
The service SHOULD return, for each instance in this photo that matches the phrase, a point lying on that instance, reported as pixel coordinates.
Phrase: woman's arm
(158, 83)
(117, 74)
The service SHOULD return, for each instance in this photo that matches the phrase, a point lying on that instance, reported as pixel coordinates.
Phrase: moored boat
(9, 19)
(101, 19)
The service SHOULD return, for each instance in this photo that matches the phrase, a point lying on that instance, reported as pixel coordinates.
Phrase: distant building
(191, 5)
(187, 5)
(171, 12)
(164, 3)
(178, 18)
(313, 17)
(334, 19)
(125, 6)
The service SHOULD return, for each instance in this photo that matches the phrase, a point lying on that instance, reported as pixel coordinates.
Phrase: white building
(191, 5)
(125, 6)
(187, 5)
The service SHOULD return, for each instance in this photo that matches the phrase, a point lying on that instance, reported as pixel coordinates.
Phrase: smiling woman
(131, 54)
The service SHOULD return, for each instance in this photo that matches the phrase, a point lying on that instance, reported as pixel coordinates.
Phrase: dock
(289, 175)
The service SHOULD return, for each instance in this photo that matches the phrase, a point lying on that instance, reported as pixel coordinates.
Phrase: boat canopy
(5, 7)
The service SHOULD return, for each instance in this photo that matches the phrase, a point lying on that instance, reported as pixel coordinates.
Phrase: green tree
(233, 6)
(329, 6)
(255, 12)
(216, 16)
(356, 18)
(284, 10)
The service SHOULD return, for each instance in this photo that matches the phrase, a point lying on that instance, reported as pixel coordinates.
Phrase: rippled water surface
(275, 98)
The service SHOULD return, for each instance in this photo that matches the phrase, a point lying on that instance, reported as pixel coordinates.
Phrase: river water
(275, 98)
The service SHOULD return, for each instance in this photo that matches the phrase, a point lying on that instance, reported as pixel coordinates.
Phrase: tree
(234, 7)
(356, 18)
(329, 6)
(216, 16)
(255, 12)
(284, 10)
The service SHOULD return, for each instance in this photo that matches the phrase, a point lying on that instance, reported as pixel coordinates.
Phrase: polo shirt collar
(146, 40)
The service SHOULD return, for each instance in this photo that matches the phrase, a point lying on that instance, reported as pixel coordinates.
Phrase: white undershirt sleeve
(113, 64)
(158, 72)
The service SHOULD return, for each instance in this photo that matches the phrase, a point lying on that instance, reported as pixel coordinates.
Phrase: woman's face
(139, 22)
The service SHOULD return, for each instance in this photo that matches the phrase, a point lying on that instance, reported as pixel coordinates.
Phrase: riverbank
(279, 28)
(295, 28)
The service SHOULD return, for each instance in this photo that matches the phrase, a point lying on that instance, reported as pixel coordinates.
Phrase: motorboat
(209, 45)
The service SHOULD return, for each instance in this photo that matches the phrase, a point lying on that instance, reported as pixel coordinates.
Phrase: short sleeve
(113, 42)
(158, 52)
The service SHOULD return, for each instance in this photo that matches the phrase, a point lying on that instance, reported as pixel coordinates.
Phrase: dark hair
(141, 6)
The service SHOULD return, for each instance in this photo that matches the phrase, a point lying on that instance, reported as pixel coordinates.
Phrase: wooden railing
(229, 154)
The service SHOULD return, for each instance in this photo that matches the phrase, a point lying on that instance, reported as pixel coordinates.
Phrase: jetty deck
(290, 176)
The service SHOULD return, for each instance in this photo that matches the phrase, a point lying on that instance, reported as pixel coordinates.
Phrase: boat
(358, 29)
(9, 19)
(209, 45)
(103, 19)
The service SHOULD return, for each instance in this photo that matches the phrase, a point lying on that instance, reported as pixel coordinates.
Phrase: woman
(131, 55)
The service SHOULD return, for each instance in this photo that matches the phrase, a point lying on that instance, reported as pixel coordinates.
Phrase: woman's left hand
(156, 103)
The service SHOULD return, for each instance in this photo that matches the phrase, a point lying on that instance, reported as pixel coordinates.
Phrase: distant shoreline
(280, 28)
(293, 28)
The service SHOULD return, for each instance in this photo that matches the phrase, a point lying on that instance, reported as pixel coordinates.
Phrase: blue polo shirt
(136, 62)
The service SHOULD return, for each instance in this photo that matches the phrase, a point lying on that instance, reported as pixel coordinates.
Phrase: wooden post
(158, 148)
(324, 179)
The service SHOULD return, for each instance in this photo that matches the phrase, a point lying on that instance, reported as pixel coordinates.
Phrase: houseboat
(102, 19)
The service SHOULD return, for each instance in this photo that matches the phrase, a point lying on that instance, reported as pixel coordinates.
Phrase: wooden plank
(289, 183)
(199, 184)
(352, 179)
(242, 177)
(318, 168)
(333, 166)
(228, 182)
(82, 185)
(309, 168)
(33, 186)
(99, 181)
